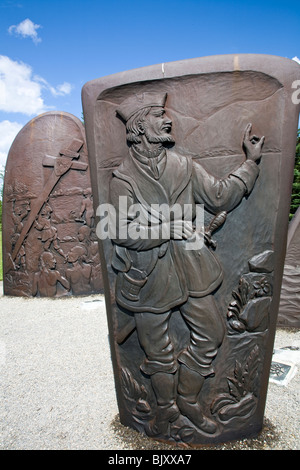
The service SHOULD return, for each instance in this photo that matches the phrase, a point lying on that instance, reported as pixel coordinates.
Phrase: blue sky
(49, 49)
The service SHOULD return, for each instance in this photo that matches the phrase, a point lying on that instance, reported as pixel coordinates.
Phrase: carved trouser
(206, 335)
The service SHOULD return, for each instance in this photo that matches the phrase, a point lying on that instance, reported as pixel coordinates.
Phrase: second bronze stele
(289, 306)
(50, 247)
(192, 304)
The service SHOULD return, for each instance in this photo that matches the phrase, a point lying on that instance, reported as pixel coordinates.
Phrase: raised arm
(224, 194)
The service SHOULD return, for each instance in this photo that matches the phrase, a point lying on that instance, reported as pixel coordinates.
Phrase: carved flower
(262, 287)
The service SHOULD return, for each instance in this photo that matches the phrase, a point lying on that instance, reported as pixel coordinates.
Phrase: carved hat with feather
(137, 102)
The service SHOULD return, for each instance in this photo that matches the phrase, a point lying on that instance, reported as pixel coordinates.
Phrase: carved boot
(167, 409)
(190, 384)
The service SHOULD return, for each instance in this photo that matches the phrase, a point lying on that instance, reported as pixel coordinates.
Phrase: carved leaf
(130, 385)
(186, 433)
(233, 309)
(143, 406)
(256, 285)
(143, 393)
(181, 433)
(244, 290)
(237, 325)
(238, 374)
(251, 368)
(221, 401)
(136, 395)
(244, 407)
(233, 388)
(237, 297)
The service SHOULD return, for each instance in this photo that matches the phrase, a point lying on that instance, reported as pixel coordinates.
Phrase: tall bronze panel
(289, 306)
(192, 310)
(50, 247)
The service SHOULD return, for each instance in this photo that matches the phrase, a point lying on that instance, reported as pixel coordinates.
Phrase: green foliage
(1, 198)
(1, 193)
(1, 267)
(295, 199)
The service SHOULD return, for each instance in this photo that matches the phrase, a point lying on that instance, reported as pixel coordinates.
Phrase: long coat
(155, 275)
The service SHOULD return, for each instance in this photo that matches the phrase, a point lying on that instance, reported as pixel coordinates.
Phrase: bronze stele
(50, 247)
(191, 166)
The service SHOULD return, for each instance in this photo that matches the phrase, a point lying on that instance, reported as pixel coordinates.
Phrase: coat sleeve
(133, 227)
(223, 194)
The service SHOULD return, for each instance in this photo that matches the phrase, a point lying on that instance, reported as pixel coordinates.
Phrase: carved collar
(155, 164)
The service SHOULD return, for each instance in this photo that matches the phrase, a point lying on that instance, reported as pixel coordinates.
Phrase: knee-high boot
(164, 388)
(189, 386)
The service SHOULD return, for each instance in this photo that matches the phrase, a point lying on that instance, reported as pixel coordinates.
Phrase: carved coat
(155, 275)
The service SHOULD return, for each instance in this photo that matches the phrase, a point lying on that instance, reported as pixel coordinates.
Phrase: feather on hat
(137, 102)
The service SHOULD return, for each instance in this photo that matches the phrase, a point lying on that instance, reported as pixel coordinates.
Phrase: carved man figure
(79, 274)
(45, 281)
(158, 274)
(48, 235)
(87, 207)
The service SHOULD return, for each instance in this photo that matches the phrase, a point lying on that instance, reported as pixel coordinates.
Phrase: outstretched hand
(252, 144)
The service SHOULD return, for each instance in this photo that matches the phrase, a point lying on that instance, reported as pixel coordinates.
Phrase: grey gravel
(57, 388)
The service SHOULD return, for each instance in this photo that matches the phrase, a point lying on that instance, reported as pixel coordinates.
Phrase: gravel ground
(57, 388)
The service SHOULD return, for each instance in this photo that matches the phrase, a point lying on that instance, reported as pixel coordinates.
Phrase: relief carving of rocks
(249, 311)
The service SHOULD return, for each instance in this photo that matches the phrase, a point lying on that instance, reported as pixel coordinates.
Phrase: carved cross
(61, 164)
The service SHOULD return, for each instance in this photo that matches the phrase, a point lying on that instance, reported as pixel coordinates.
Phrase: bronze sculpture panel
(192, 210)
(49, 243)
(289, 306)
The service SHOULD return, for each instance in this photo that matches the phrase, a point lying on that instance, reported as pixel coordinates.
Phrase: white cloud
(21, 91)
(8, 131)
(296, 59)
(61, 90)
(26, 29)
(64, 89)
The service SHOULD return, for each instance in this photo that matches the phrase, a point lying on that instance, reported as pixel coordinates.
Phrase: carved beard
(154, 139)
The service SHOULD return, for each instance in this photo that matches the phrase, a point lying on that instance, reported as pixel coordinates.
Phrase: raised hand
(252, 144)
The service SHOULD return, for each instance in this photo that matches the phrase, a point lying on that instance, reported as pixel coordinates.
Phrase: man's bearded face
(157, 126)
